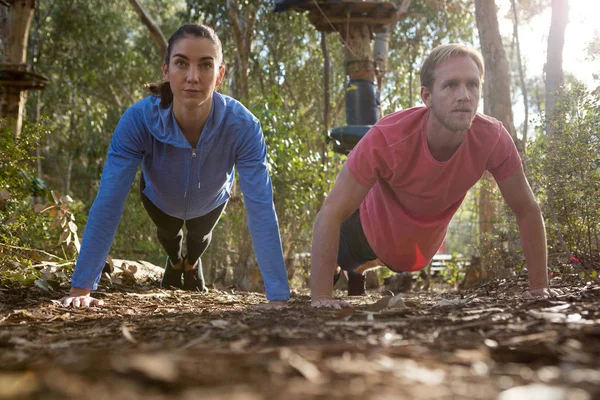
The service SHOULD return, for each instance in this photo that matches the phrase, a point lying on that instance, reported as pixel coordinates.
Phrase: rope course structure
(358, 23)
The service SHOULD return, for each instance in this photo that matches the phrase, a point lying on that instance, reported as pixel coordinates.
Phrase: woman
(188, 138)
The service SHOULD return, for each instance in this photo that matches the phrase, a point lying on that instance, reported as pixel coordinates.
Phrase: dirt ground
(485, 343)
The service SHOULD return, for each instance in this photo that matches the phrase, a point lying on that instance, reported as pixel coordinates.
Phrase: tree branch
(155, 31)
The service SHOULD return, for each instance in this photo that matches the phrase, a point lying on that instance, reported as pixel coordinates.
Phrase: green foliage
(454, 271)
(565, 174)
(413, 38)
(137, 227)
(20, 226)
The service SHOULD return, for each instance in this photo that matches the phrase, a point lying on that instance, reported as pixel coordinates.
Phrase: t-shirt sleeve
(370, 159)
(504, 159)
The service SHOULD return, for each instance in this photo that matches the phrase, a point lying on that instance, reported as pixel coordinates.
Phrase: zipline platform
(334, 15)
(15, 75)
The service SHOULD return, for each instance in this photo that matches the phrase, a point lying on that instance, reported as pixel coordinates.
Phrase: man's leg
(355, 255)
(199, 235)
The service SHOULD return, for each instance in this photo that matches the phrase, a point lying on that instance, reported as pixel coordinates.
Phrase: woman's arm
(124, 156)
(257, 188)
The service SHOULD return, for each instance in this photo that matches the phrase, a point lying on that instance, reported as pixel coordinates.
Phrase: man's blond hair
(444, 52)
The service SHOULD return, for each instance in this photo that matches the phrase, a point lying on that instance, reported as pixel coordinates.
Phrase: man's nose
(463, 93)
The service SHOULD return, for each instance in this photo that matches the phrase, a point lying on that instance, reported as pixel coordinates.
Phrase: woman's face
(194, 71)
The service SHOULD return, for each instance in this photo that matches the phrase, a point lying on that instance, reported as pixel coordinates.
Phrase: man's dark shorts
(354, 248)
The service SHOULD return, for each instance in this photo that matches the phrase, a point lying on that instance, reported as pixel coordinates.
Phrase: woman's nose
(192, 75)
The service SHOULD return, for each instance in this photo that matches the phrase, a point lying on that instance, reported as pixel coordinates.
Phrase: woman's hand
(80, 298)
(329, 302)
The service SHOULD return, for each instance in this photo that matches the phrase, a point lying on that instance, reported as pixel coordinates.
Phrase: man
(405, 179)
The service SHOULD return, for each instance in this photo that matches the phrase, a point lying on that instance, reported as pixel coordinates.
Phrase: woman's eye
(179, 63)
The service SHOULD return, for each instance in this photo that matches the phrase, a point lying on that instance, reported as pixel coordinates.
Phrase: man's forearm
(324, 257)
(533, 240)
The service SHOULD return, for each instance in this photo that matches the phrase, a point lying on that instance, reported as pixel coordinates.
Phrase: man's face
(455, 93)
(193, 72)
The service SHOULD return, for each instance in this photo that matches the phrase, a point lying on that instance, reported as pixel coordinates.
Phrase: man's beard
(452, 121)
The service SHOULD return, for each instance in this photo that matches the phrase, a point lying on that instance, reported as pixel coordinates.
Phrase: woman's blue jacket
(186, 182)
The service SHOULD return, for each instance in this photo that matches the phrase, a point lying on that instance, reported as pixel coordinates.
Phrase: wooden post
(16, 33)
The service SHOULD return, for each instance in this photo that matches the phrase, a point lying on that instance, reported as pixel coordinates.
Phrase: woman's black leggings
(170, 233)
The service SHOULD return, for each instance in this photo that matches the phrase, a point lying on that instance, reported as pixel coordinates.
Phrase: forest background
(97, 56)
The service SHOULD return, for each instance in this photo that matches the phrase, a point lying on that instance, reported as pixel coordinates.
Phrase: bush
(565, 174)
(29, 250)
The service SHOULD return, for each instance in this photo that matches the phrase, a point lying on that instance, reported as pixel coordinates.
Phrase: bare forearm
(324, 256)
(533, 240)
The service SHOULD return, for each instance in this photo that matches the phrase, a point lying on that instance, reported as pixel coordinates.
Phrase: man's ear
(165, 71)
(426, 96)
(221, 75)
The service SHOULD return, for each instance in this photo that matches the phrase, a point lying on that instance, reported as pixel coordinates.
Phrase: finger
(527, 295)
(319, 304)
(66, 301)
(346, 304)
(98, 302)
(76, 302)
(86, 301)
(336, 305)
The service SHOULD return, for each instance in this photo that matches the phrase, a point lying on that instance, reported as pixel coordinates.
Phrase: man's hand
(80, 298)
(329, 302)
(272, 305)
(543, 293)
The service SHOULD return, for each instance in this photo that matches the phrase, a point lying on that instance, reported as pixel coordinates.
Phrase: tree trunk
(242, 26)
(496, 93)
(497, 90)
(554, 85)
(155, 31)
(15, 31)
(521, 73)
(326, 108)
(556, 43)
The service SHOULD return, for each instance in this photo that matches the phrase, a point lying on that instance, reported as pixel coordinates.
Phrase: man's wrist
(322, 297)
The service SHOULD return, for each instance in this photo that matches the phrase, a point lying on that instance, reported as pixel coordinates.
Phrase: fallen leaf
(127, 334)
(539, 391)
(17, 385)
(42, 285)
(219, 323)
(453, 302)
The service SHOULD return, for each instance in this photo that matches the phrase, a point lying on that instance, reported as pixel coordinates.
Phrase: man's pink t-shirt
(412, 196)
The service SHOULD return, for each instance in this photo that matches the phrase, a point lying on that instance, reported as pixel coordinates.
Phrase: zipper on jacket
(185, 196)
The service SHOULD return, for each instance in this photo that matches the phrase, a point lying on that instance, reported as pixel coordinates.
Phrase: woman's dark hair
(163, 89)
